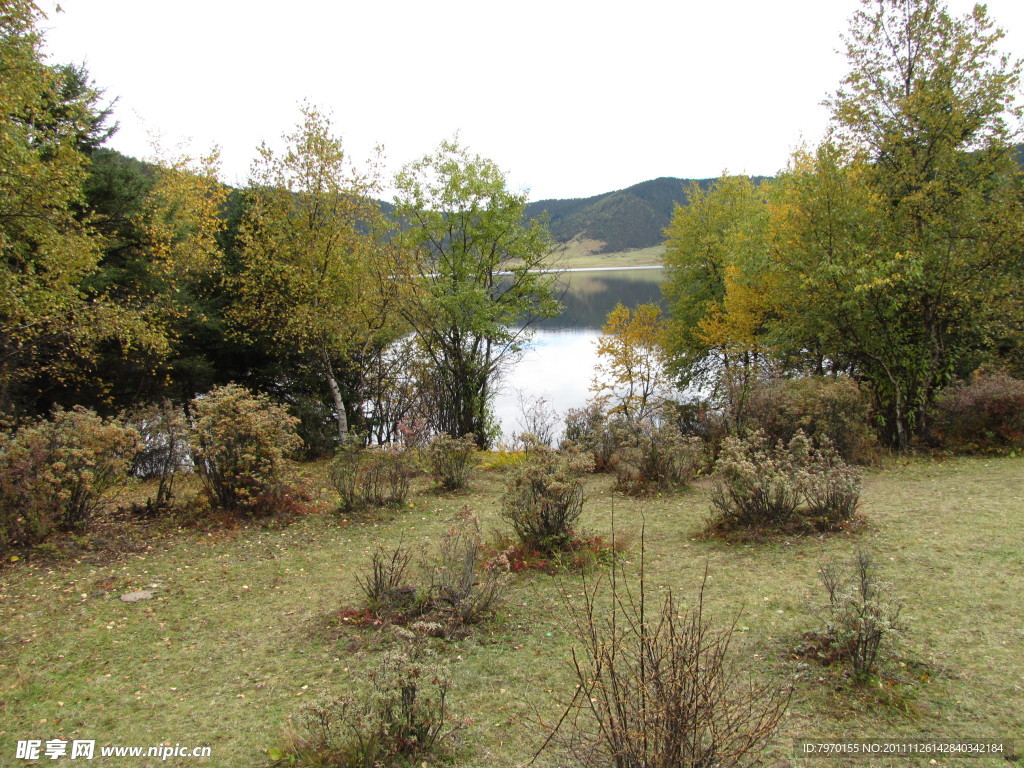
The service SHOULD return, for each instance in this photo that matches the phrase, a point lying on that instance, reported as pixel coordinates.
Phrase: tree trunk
(339, 402)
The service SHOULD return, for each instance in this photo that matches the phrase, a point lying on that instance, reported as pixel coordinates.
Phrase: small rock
(134, 597)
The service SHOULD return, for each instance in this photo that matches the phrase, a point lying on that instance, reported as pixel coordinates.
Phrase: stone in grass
(134, 597)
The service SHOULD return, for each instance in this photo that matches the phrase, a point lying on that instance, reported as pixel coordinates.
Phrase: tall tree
(50, 324)
(901, 239)
(478, 286)
(317, 276)
(716, 241)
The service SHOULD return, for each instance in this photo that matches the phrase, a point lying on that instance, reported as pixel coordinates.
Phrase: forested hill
(635, 217)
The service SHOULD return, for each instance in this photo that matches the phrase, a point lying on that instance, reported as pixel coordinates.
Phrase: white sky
(571, 98)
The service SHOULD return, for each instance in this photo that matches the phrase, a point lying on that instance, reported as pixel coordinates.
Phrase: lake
(559, 363)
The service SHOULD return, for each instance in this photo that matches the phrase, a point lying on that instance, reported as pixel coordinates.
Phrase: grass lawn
(579, 255)
(238, 635)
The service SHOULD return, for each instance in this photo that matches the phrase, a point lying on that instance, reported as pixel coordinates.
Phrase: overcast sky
(570, 97)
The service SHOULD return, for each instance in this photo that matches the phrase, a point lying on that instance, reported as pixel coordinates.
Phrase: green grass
(238, 636)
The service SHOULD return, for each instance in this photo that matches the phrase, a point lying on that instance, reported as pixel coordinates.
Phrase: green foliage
(761, 486)
(317, 279)
(478, 287)
(982, 415)
(721, 227)
(863, 620)
(896, 241)
(630, 378)
(400, 714)
(57, 473)
(240, 441)
(372, 477)
(49, 326)
(451, 460)
(544, 498)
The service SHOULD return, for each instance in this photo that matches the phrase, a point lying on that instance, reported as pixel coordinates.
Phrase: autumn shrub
(451, 460)
(544, 498)
(386, 588)
(58, 472)
(589, 429)
(400, 714)
(372, 477)
(164, 450)
(656, 687)
(863, 614)
(456, 585)
(761, 486)
(983, 415)
(653, 455)
(465, 585)
(240, 441)
(820, 406)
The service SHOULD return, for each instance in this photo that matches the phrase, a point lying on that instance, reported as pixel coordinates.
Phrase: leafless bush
(657, 689)
(387, 591)
(463, 584)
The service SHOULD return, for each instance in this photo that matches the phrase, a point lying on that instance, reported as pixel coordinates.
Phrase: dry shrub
(658, 689)
(57, 473)
(863, 615)
(451, 460)
(399, 715)
(983, 415)
(544, 498)
(465, 585)
(240, 441)
(589, 429)
(372, 477)
(653, 455)
(164, 450)
(760, 486)
(819, 406)
(458, 585)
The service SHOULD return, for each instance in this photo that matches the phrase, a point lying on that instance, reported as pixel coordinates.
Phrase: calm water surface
(559, 363)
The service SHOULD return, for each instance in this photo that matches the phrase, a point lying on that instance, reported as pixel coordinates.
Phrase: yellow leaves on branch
(734, 323)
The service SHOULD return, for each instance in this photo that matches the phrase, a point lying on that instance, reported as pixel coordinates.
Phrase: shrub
(463, 585)
(544, 498)
(760, 486)
(658, 689)
(451, 460)
(59, 472)
(164, 449)
(387, 592)
(654, 455)
(820, 406)
(863, 620)
(373, 477)
(588, 429)
(240, 441)
(985, 414)
(831, 487)
(401, 714)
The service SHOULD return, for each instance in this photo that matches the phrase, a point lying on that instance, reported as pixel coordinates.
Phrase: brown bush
(983, 415)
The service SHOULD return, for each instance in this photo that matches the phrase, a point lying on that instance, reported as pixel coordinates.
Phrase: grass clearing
(239, 633)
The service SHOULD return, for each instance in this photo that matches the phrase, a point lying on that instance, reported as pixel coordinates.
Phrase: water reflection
(559, 363)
